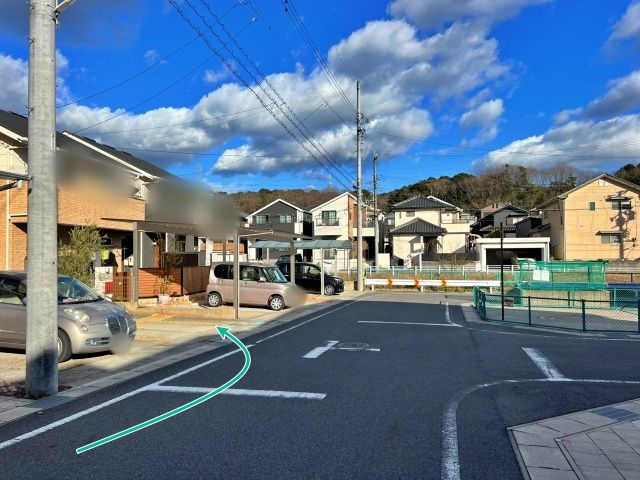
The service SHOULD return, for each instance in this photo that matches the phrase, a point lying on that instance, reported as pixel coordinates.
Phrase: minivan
(259, 285)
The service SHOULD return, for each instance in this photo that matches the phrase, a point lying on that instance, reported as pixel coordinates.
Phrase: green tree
(74, 258)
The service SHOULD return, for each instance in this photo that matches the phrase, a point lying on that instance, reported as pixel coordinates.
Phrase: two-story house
(506, 214)
(282, 216)
(428, 225)
(595, 220)
(336, 219)
(97, 185)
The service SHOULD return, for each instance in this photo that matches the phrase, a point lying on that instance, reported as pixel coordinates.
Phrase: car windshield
(274, 275)
(71, 290)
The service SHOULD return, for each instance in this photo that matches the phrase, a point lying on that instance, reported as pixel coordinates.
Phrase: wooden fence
(186, 281)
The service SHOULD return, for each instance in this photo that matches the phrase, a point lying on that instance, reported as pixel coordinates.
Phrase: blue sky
(447, 87)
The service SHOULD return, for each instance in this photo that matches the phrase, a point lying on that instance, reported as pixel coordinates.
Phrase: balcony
(327, 222)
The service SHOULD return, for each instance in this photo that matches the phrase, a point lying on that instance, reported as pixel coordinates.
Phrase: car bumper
(99, 338)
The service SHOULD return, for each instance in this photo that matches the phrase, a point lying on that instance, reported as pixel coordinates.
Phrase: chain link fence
(569, 313)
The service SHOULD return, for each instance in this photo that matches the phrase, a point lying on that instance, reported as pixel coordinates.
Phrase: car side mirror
(262, 279)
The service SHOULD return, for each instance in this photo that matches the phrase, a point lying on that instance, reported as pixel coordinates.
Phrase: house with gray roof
(427, 226)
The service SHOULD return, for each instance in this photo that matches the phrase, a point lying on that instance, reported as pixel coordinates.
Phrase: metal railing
(568, 313)
(328, 222)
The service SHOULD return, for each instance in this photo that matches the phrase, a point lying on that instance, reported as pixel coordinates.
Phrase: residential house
(428, 225)
(97, 185)
(336, 219)
(282, 216)
(595, 220)
(506, 214)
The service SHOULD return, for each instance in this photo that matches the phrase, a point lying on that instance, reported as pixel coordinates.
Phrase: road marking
(316, 352)
(355, 349)
(412, 323)
(240, 392)
(562, 337)
(310, 320)
(450, 469)
(100, 406)
(448, 316)
(544, 364)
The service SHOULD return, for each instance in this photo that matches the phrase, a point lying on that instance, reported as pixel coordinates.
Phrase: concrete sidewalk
(602, 443)
(158, 344)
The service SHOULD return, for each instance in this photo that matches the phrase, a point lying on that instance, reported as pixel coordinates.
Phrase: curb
(272, 320)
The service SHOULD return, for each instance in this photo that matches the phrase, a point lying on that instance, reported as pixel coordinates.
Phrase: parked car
(308, 277)
(87, 322)
(286, 258)
(259, 285)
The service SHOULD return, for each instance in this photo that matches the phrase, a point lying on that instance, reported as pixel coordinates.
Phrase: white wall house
(426, 224)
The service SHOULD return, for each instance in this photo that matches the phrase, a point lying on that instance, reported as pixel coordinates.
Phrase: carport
(321, 245)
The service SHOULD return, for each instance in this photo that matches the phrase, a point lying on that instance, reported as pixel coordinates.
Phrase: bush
(75, 259)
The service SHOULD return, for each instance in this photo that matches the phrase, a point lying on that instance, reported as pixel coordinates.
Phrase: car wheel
(214, 299)
(64, 346)
(329, 290)
(276, 303)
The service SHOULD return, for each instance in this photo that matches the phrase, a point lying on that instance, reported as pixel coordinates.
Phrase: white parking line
(544, 364)
(356, 349)
(412, 323)
(316, 352)
(249, 392)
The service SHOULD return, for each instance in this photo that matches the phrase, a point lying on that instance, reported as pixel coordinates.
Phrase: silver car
(87, 323)
(259, 285)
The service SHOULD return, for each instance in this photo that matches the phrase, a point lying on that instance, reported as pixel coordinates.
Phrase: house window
(592, 206)
(610, 238)
(411, 214)
(621, 205)
(181, 243)
(195, 242)
(329, 218)
(262, 218)
(546, 215)
(330, 254)
(288, 218)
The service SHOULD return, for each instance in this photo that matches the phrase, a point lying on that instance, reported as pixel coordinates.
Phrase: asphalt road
(383, 414)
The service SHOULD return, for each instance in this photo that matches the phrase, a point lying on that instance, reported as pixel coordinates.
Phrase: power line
(132, 77)
(157, 94)
(249, 87)
(300, 125)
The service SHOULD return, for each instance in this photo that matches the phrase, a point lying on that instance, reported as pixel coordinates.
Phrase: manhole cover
(353, 345)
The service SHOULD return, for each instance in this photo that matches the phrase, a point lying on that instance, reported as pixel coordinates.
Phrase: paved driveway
(390, 386)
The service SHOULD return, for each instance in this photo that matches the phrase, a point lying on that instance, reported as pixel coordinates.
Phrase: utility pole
(42, 207)
(359, 263)
(376, 233)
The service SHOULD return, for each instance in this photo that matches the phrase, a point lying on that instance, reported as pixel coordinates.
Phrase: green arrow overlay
(224, 333)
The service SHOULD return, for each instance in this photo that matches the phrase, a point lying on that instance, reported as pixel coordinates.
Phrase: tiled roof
(418, 227)
(421, 202)
(492, 228)
(14, 122)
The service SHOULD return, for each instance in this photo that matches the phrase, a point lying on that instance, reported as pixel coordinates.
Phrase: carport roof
(310, 244)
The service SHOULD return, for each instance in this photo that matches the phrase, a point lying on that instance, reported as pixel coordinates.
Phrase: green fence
(586, 315)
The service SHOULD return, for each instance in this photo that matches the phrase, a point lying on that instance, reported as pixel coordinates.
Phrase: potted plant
(161, 287)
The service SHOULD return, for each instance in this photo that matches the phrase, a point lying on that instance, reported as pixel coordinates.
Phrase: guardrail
(418, 283)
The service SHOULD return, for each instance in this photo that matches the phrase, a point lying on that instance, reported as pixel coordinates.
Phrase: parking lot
(385, 386)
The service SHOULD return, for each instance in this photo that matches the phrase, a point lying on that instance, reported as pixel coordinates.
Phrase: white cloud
(585, 144)
(623, 95)
(151, 56)
(13, 78)
(629, 25)
(216, 76)
(435, 13)
(484, 115)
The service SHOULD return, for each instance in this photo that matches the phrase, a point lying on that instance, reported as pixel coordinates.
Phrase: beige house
(595, 220)
(428, 225)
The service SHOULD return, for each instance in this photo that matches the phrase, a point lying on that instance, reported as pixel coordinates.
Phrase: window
(330, 254)
(546, 215)
(181, 243)
(262, 218)
(329, 218)
(311, 271)
(592, 206)
(288, 218)
(621, 205)
(11, 292)
(249, 274)
(223, 271)
(195, 242)
(610, 238)
(411, 214)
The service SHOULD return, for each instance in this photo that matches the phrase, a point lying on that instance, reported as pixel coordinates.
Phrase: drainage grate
(615, 413)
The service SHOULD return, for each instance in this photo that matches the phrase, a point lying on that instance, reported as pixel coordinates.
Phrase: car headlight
(77, 315)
